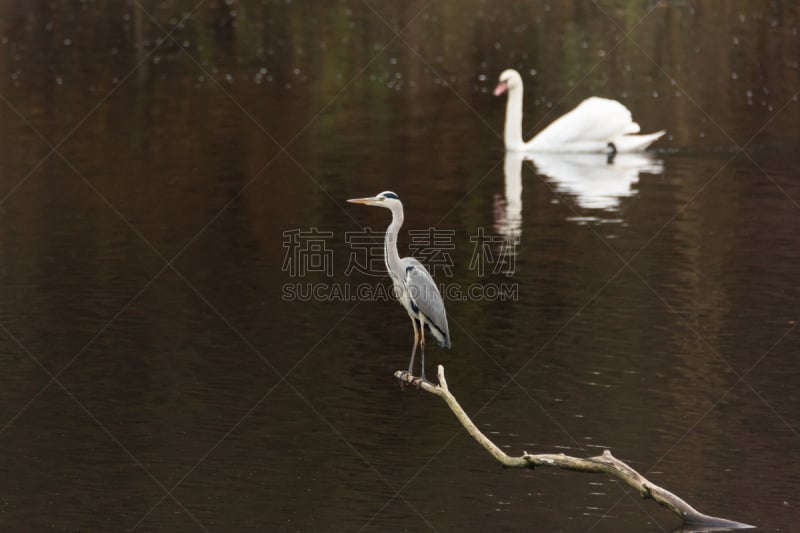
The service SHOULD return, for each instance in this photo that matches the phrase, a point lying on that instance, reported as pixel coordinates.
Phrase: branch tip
(440, 376)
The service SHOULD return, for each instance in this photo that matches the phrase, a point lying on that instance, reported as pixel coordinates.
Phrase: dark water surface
(156, 377)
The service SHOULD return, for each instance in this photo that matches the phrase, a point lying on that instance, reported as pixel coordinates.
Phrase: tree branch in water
(605, 463)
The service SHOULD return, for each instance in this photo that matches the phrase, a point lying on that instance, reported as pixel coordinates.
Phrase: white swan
(596, 125)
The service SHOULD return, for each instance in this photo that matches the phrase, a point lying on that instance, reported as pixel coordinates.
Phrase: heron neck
(390, 243)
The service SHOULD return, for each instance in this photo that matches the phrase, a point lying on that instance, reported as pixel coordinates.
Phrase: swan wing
(589, 127)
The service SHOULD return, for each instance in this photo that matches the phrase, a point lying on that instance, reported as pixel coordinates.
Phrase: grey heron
(413, 284)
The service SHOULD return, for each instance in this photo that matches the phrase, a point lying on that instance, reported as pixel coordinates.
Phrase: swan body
(595, 125)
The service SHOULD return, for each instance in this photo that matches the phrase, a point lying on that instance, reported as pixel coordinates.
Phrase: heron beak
(367, 201)
(501, 88)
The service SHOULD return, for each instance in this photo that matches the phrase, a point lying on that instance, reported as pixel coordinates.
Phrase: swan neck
(513, 128)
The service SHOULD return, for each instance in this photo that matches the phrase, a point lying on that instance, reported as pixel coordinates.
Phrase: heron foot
(406, 377)
(402, 380)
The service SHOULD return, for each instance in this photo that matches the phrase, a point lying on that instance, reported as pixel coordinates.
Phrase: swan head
(386, 199)
(508, 80)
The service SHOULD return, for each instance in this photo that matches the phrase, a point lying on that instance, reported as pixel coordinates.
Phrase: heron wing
(425, 296)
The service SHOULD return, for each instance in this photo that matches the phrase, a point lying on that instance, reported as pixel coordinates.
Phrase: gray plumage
(425, 296)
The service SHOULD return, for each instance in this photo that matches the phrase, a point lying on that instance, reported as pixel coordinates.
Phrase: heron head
(509, 79)
(386, 199)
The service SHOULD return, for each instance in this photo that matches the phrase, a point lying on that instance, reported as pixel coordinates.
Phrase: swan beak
(501, 88)
(369, 201)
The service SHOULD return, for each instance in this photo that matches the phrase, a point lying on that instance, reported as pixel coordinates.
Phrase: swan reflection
(596, 181)
(508, 210)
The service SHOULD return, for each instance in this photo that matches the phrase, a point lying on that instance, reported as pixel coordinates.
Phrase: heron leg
(422, 342)
(414, 349)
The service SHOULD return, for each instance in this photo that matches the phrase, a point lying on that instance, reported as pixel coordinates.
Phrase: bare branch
(605, 463)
